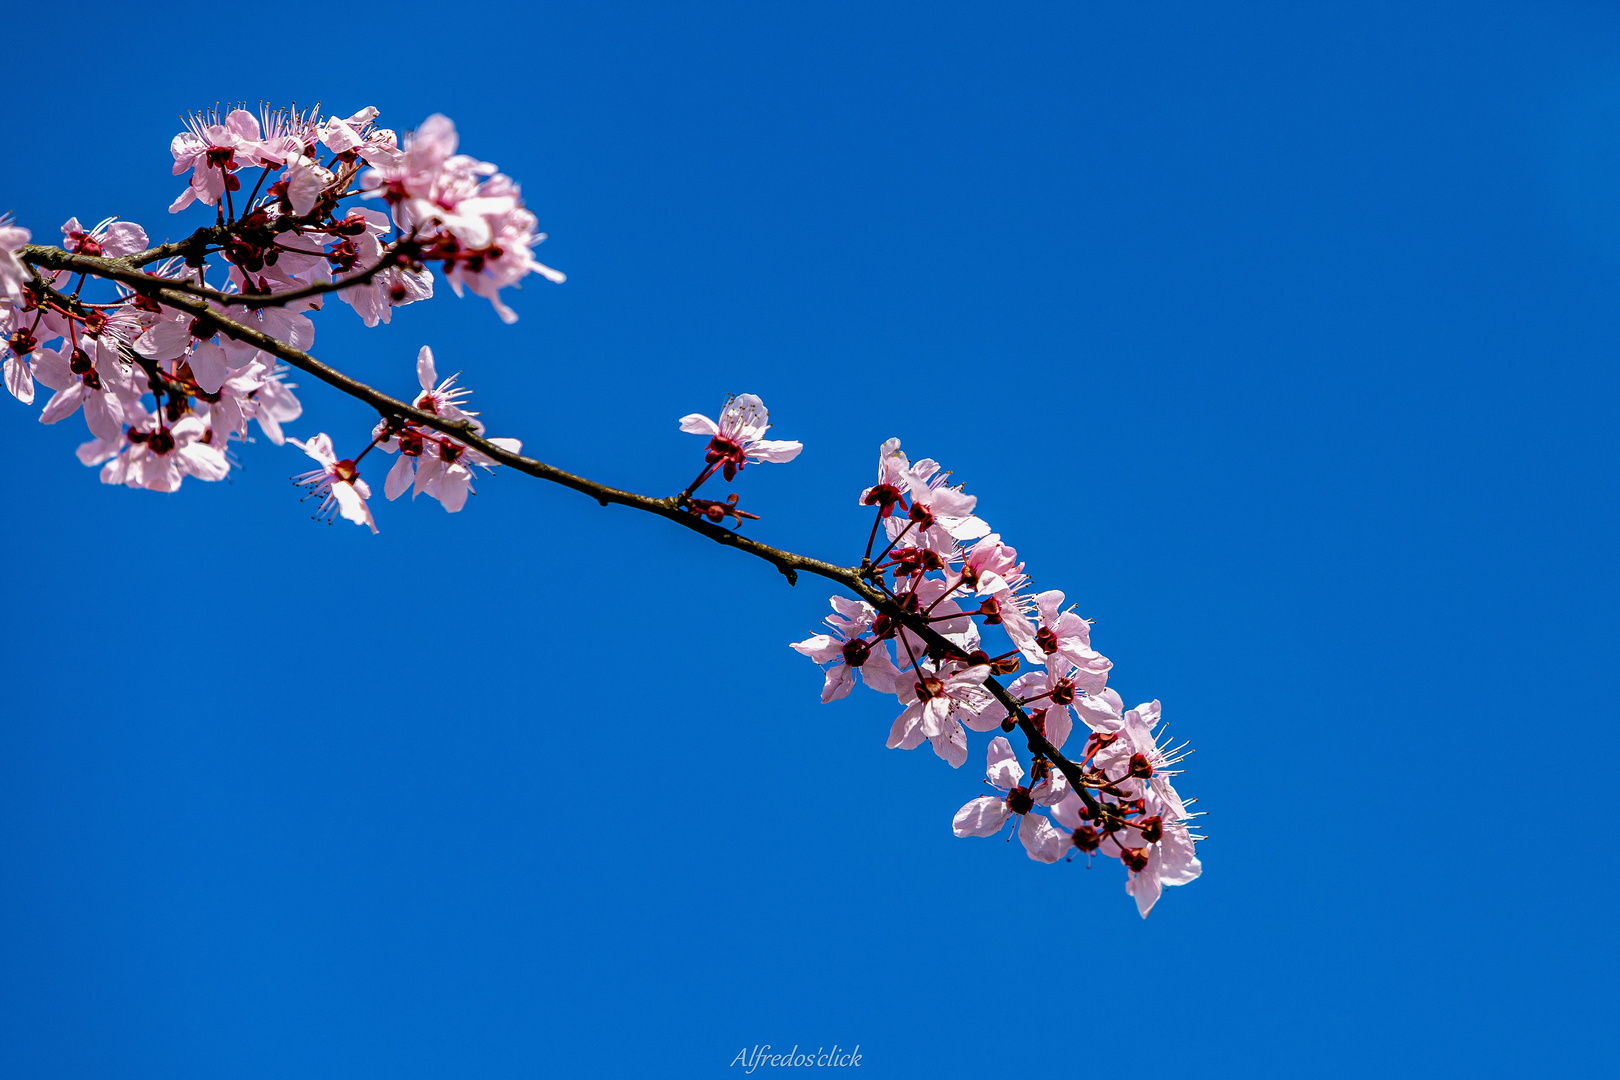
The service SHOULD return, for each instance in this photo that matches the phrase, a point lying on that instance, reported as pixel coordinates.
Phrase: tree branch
(121, 270)
(671, 508)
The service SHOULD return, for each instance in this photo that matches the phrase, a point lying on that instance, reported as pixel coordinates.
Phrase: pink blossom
(18, 375)
(444, 470)
(847, 650)
(739, 436)
(934, 696)
(888, 494)
(1156, 847)
(157, 459)
(460, 209)
(337, 482)
(1064, 634)
(991, 567)
(283, 135)
(986, 815)
(74, 377)
(1050, 691)
(208, 148)
(274, 403)
(434, 464)
(111, 238)
(939, 515)
(374, 300)
(1140, 754)
(12, 271)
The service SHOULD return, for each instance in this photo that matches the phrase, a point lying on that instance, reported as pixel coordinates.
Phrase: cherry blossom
(110, 238)
(1156, 846)
(848, 651)
(162, 359)
(739, 437)
(336, 482)
(430, 462)
(207, 149)
(1136, 756)
(935, 697)
(985, 815)
(1063, 634)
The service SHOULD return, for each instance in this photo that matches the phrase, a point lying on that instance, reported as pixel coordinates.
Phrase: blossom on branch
(171, 353)
(337, 483)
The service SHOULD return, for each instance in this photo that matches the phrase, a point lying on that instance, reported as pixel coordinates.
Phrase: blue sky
(1283, 339)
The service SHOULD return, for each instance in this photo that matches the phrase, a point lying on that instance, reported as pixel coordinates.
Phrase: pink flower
(1049, 691)
(374, 300)
(889, 493)
(986, 815)
(1063, 634)
(991, 567)
(847, 650)
(461, 210)
(739, 436)
(1156, 847)
(12, 271)
(337, 482)
(934, 696)
(74, 377)
(284, 134)
(939, 515)
(18, 375)
(443, 470)
(434, 464)
(1139, 754)
(157, 459)
(274, 403)
(208, 148)
(111, 238)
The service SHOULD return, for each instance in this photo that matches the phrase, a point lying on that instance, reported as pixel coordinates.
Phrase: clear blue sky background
(1284, 339)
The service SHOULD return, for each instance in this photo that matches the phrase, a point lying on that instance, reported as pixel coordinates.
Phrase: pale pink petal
(209, 366)
(1001, 764)
(983, 816)
(840, 678)
(399, 478)
(698, 424)
(19, 379)
(352, 506)
(951, 744)
(425, 373)
(1042, 842)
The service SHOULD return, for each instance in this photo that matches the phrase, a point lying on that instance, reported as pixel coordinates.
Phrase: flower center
(856, 652)
(1019, 800)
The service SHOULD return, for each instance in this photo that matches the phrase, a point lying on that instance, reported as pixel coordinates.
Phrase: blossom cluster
(185, 349)
(941, 573)
(167, 387)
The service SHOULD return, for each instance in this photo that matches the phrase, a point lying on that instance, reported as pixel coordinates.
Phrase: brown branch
(857, 579)
(120, 270)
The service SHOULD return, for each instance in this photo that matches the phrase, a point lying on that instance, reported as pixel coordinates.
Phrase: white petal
(983, 816)
(425, 373)
(19, 380)
(1001, 765)
(399, 478)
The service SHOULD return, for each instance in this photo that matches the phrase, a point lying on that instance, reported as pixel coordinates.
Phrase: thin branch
(857, 580)
(118, 270)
